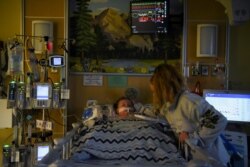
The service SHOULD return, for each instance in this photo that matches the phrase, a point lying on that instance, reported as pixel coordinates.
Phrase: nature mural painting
(105, 43)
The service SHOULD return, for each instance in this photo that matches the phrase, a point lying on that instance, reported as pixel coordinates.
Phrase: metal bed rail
(62, 148)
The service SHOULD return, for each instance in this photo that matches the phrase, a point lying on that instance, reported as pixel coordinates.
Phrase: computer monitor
(149, 17)
(234, 105)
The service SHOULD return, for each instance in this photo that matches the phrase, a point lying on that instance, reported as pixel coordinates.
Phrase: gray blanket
(133, 141)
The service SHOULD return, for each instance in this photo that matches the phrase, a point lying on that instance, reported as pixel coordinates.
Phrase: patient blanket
(135, 141)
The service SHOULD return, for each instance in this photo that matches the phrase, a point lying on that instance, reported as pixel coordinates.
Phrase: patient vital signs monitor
(234, 105)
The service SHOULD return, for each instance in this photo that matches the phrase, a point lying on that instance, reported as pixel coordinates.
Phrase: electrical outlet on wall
(195, 69)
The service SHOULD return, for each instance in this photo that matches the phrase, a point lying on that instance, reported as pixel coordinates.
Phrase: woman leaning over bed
(194, 121)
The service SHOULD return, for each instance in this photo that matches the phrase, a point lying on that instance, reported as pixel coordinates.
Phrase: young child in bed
(195, 122)
(123, 107)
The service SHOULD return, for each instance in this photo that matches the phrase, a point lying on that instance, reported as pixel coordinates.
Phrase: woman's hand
(183, 136)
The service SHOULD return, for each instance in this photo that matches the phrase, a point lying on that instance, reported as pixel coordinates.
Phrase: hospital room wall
(239, 77)
(10, 23)
(199, 12)
(10, 18)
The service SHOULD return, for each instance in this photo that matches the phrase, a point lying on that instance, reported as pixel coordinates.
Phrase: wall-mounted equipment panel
(207, 37)
(43, 31)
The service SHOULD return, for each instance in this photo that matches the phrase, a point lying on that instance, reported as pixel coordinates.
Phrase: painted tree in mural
(83, 31)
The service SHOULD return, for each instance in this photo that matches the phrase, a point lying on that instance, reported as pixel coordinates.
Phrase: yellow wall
(239, 77)
(10, 24)
(205, 12)
(211, 11)
(10, 18)
(47, 10)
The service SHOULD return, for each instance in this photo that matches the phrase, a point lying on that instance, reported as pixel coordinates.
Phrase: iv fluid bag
(15, 64)
(32, 65)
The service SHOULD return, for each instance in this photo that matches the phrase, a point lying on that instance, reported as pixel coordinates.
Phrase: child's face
(124, 107)
(124, 103)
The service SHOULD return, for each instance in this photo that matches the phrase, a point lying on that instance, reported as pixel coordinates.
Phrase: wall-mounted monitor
(56, 61)
(234, 105)
(149, 17)
(41, 29)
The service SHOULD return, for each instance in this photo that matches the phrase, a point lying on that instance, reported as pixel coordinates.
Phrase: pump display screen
(42, 92)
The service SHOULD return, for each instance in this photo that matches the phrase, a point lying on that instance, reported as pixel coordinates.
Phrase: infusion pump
(37, 96)
(42, 95)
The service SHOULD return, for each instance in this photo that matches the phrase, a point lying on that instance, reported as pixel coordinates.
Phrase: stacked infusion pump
(37, 96)
(32, 96)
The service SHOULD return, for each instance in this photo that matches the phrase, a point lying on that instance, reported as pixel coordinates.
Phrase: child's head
(123, 106)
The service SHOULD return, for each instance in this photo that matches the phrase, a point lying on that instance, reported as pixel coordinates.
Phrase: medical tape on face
(127, 109)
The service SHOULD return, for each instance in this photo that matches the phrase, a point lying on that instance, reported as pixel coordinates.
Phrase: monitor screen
(234, 105)
(149, 17)
(56, 61)
(42, 150)
(42, 91)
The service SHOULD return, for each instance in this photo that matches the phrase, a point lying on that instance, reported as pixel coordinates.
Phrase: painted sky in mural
(97, 6)
(123, 5)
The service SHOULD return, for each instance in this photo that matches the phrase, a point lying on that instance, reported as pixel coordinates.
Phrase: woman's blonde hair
(167, 83)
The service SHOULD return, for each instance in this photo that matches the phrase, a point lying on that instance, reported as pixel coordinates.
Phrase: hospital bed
(134, 141)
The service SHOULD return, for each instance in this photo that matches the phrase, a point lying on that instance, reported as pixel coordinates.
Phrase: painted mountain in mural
(113, 25)
(116, 49)
(116, 28)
